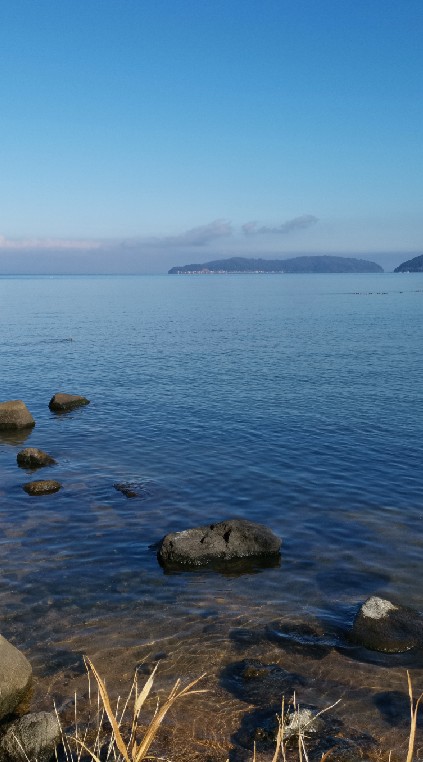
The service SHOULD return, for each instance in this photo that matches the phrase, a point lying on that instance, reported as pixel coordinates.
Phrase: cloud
(200, 236)
(297, 223)
(25, 244)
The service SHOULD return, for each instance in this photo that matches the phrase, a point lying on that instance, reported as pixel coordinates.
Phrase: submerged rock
(126, 489)
(42, 487)
(381, 625)
(31, 737)
(258, 683)
(15, 677)
(14, 414)
(60, 403)
(225, 541)
(31, 457)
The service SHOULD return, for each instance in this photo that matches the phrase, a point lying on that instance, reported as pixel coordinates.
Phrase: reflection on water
(284, 401)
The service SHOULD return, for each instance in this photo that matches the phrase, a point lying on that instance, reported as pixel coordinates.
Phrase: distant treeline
(317, 264)
(411, 266)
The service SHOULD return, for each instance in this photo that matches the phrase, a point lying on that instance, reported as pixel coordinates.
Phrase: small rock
(255, 682)
(381, 625)
(225, 541)
(31, 737)
(15, 415)
(15, 677)
(302, 721)
(33, 458)
(126, 489)
(42, 487)
(60, 403)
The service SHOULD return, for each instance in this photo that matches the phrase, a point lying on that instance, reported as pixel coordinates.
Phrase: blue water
(296, 401)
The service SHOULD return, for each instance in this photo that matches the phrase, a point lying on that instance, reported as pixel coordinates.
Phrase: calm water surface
(296, 401)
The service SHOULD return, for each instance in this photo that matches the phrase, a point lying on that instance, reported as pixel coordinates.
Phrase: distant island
(319, 264)
(414, 265)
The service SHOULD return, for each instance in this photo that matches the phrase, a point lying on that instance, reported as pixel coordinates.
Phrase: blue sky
(140, 134)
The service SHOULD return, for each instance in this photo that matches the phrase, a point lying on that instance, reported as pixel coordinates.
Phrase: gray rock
(15, 677)
(225, 541)
(31, 737)
(61, 403)
(14, 414)
(31, 457)
(41, 487)
(381, 625)
(302, 721)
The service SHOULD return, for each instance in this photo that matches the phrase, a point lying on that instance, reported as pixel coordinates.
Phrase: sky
(136, 135)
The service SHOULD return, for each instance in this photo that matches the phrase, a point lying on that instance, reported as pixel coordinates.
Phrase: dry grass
(118, 735)
(281, 741)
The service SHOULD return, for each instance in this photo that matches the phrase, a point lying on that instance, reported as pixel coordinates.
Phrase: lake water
(295, 401)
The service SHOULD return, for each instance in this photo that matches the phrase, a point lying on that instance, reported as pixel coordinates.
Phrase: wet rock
(31, 457)
(126, 489)
(61, 403)
(31, 737)
(260, 727)
(255, 682)
(300, 637)
(15, 677)
(42, 487)
(15, 415)
(381, 625)
(225, 541)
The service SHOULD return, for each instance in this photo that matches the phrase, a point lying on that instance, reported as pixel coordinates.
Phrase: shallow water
(292, 400)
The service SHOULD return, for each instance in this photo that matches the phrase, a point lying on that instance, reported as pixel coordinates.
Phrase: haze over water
(295, 401)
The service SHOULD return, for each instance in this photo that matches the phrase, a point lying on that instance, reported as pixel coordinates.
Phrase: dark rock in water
(61, 403)
(300, 637)
(261, 684)
(381, 625)
(225, 541)
(42, 487)
(259, 728)
(14, 414)
(126, 489)
(15, 677)
(31, 737)
(31, 457)
(324, 735)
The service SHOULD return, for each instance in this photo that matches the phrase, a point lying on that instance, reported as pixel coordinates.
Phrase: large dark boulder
(223, 542)
(381, 625)
(42, 487)
(61, 403)
(14, 414)
(31, 457)
(15, 677)
(31, 737)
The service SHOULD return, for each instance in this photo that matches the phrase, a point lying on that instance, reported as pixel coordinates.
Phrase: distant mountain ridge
(304, 264)
(414, 265)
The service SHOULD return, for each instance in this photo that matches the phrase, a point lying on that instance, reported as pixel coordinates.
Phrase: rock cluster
(15, 416)
(32, 736)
